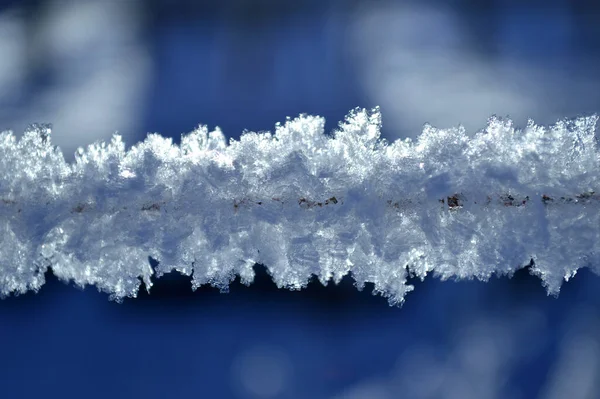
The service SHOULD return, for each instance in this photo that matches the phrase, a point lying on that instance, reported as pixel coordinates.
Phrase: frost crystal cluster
(302, 203)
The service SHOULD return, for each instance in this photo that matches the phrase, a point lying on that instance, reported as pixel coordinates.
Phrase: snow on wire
(302, 203)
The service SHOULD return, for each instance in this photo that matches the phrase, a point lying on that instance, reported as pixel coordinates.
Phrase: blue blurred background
(96, 67)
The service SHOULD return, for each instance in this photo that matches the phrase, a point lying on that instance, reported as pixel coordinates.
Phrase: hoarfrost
(303, 203)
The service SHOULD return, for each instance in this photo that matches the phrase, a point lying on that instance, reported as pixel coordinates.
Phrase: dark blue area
(176, 342)
(246, 74)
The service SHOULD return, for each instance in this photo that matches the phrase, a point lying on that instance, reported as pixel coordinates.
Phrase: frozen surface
(303, 203)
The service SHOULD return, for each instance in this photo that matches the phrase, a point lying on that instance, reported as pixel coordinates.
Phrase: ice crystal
(302, 203)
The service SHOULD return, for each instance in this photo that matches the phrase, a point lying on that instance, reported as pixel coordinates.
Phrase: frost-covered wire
(303, 203)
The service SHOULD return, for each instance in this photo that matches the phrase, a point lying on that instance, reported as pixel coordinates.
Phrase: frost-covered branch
(302, 203)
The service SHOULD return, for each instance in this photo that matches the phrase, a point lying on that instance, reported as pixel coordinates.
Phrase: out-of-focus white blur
(263, 371)
(90, 67)
(418, 62)
(482, 360)
(576, 374)
(12, 49)
(81, 66)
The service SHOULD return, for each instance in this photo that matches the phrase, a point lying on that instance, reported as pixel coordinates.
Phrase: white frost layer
(302, 203)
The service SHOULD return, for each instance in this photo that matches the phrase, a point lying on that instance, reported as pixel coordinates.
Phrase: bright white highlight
(302, 203)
